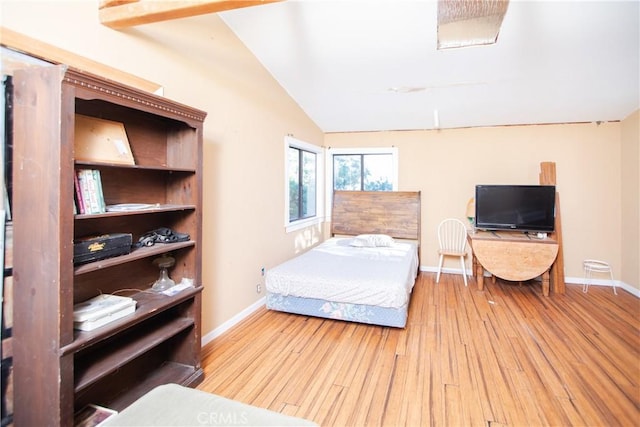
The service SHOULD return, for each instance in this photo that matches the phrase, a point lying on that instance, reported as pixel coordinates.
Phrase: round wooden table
(512, 256)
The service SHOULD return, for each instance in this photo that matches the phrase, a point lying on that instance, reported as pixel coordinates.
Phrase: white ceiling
(372, 65)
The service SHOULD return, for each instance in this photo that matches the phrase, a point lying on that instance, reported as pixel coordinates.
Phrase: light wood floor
(504, 356)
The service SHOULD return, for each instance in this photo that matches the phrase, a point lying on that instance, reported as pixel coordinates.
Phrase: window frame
(393, 151)
(318, 218)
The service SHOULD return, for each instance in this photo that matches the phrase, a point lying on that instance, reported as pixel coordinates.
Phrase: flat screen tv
(515, 207)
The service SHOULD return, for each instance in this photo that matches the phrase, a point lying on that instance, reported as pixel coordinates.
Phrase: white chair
(594, 266)
(452, 238)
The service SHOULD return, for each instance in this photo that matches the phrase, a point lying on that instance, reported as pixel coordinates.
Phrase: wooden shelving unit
(58, 370)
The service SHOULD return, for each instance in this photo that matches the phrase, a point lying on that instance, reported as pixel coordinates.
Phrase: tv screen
(515, 207)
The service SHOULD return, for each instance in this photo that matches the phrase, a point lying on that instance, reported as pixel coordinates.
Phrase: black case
(95, 248)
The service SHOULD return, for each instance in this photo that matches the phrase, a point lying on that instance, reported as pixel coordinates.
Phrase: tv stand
(513, 256)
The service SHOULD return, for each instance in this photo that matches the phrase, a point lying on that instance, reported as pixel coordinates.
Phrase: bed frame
(395, 213)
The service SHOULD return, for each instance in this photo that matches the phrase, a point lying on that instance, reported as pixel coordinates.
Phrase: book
(79, 201)
(85, 192)
(92, 191)
(99, 194)
(89, 191)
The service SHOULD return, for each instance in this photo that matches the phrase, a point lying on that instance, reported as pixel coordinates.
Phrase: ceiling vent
(463, 23)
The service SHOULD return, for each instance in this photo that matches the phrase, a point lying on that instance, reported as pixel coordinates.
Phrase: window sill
(303, 223)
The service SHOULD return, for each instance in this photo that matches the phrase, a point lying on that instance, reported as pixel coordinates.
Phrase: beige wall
(630, 170)
(447, 164)
(201, 63)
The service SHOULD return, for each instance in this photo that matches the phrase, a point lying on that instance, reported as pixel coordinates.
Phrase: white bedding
(335, 271)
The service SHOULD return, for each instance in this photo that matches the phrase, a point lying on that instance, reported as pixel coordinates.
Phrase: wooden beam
(110, 3)
(119, 14)
(548, 177)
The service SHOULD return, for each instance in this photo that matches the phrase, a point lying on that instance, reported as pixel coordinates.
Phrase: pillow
(372, 241)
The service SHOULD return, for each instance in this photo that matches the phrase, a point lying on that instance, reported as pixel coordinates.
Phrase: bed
(365, 271)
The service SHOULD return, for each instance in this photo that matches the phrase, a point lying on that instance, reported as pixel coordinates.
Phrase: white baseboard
(206, 339)
(573, 280)
(604, 282)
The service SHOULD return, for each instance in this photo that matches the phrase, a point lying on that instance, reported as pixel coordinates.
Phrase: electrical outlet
(259, 288)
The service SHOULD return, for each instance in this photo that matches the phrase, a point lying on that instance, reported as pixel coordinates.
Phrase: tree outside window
(302, 183)
(363, 172)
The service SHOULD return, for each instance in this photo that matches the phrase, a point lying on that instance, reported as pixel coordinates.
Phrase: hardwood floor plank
(330, 378)
(381, 376)
(574, 417)
(328, 416)
(324, 385)
(361, 368)
(452, 406)
(529, 408)
(393, 408)
(284, 370)
(595, 359)
(471, 405)
(489, 375)
(353, 349)
(248, 349)
(531, 383)
(329, 401)
(307, 364)
(503, 356)
(411, 413)
(291, 410)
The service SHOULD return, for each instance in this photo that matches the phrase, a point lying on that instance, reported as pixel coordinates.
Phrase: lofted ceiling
(373, 65)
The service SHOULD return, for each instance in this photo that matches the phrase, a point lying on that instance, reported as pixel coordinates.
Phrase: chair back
(452, 236)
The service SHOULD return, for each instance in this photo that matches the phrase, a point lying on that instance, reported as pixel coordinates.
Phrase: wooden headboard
(396, 213)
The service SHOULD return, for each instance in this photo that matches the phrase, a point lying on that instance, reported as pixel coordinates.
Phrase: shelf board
(148, 305)
(125, 350)
(138, 253)
(169, 372)
(153, 210)
(124, 166)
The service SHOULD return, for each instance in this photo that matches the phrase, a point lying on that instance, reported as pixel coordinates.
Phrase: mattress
(338, 272)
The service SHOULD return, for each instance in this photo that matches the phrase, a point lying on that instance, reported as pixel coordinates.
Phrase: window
(361, 169)
(364, 169)
(303, 183)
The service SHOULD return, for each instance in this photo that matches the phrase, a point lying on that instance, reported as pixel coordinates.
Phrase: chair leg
(439, 268)
(585, 284)
(464, 271)
(615, 292)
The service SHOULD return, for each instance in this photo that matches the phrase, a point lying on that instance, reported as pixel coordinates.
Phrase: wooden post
(548, 177)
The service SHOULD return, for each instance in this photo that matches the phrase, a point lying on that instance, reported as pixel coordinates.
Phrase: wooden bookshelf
(57, 369)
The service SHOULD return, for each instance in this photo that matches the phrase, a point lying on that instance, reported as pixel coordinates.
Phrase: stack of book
(101, 310)
(89, 196)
